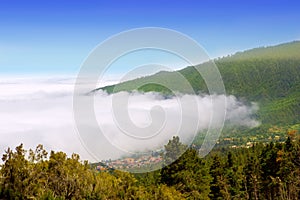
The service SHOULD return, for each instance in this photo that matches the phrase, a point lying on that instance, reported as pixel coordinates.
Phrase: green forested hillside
(267, 75)
(269, 171)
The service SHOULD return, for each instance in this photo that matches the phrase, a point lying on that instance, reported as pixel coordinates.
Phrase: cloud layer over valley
(40, 111)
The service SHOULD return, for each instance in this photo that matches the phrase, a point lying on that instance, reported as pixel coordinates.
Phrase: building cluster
(130, 163)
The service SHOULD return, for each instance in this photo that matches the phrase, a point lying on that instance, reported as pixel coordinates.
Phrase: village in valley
(234, 141)
(128, 163)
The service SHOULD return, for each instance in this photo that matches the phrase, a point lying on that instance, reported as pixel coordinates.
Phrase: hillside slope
(267, 75)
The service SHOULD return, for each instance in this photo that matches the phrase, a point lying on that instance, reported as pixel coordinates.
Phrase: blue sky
(40, 37)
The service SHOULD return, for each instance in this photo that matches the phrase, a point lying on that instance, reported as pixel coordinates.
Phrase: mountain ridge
(267, 75)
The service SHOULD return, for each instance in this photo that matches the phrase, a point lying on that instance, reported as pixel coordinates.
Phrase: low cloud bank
(35, 111)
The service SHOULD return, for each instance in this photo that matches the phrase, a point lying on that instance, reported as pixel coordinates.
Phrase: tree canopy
(269, 171)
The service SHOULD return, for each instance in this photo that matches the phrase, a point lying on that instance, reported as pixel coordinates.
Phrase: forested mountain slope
(269, 76)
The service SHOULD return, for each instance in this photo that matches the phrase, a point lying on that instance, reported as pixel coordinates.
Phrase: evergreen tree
(189, 174)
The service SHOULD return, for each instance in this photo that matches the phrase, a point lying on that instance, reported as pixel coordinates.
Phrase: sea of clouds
(40, 111)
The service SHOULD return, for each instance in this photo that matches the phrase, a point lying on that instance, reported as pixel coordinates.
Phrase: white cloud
(35, 111)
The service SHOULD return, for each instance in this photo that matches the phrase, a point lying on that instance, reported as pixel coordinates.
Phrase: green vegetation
(268, 171)
(243, 137)
(267, 75)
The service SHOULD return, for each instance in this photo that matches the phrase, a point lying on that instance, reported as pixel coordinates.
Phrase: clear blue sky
(55, 36)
